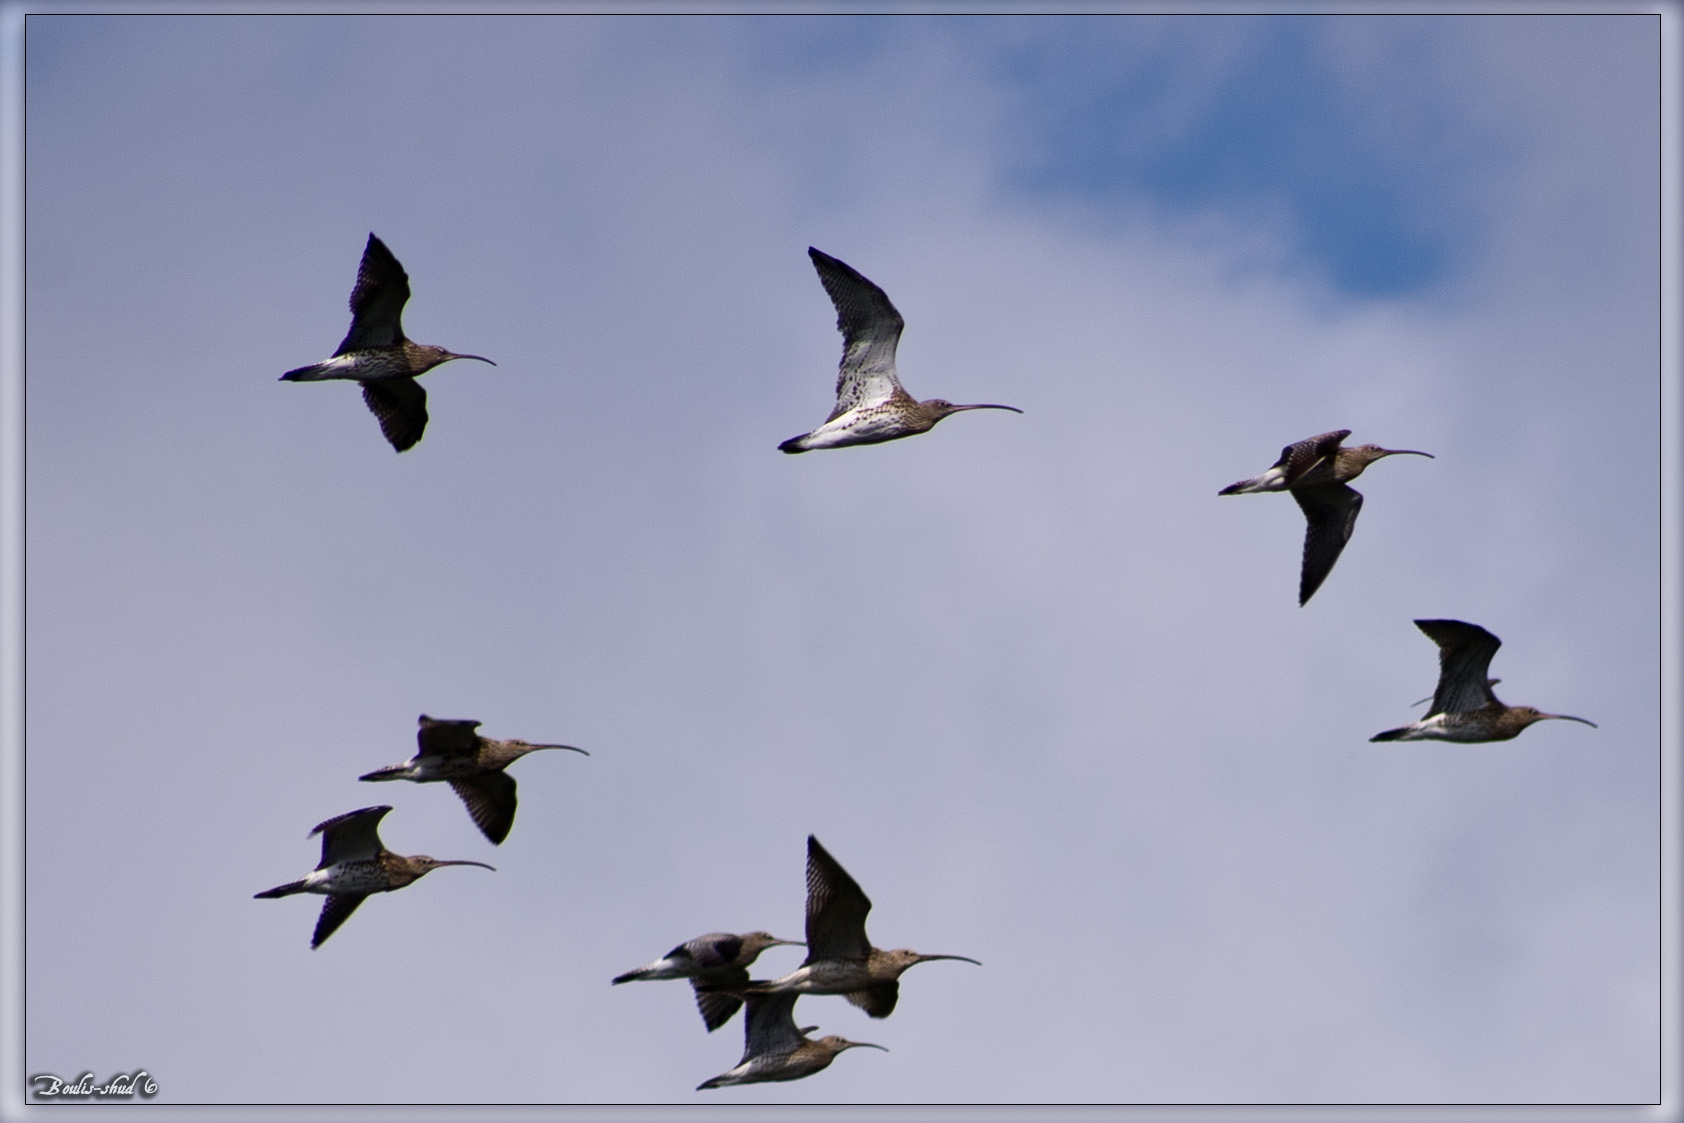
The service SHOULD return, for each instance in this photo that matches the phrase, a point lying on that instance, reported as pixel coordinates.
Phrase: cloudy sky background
(1046, 696)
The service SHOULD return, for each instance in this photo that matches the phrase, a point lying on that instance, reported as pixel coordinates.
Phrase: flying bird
(377, 354)
(840, 959)
(717, 957)
(871, 407)
(354, 864)
(773, 1049)
(473, 766)
(1318, 473)
(1463, 708)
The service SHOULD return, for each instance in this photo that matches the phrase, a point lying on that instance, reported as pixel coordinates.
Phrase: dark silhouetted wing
(400, 405)
(1301, 457)
(377, 300)
(870, 329)
(335, 911)
(1464, 665)
(353, 836)
(836, 908)
(490, 797)
(446, 737)
(1331, 512)
(715, 1006)
(878, 1001)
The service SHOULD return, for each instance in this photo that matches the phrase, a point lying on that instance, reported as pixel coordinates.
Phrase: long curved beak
(966, 958)
(787, 943)
(481, 358)
(959, 409)
(859, 1045)
(1568, 717)
(1406, 452)
(465, 862)
(569, 748)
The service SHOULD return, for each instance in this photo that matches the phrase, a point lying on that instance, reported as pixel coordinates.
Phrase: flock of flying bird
(871, 407)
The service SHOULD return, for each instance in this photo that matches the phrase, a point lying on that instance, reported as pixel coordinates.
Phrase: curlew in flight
(871, 407)
(1318, 473)
(451, 750)
(718, 957)
(773, 1049)
(840, 959)
(377, 354)
(1464, 709)
(355, 864)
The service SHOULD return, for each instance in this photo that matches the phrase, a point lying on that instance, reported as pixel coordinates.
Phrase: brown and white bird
(354, 864)
(773, 1049)
(1464, 708)
(1317, 472)
(377, 354)
(871, 407)
(717, 957)
(840, 958)
(452, 751)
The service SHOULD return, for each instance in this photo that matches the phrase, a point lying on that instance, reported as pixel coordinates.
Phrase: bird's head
(431, 356)
(1526, 715)
(902, 958)
(937, 408)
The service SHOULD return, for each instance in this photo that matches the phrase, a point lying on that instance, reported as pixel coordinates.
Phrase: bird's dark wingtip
(1388, 735)
(792, 446)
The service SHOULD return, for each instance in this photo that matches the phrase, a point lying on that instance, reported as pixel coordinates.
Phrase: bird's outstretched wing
(717, 1006)
(350, 837)
(1464, 665)
(490, 797)
(1301, 457)
(769, 1026)
(1331, 515)
(870, 329)
(878, 1001)
(400, 405)
(836, 908)
(446, 736)
(377, 300)
(335, 911)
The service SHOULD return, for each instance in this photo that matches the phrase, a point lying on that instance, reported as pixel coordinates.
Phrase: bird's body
(376, 353)
(355, 864)
(840, 958)
(871, 406)
(774, 1049)
(472, 765)
(714, 958)
(1463, 707)
(1317, 471)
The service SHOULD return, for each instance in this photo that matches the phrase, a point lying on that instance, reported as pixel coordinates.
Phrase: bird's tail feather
(288, 889)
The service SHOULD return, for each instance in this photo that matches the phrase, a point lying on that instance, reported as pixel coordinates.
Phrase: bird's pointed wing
(446, 737)
(878, 1001)
(1464, 665)
(1331, 515)
(769, 1026)
(836, 908)
(717, 1007)
(335, 911)
(870, 329)
(352, 836)
(490, 797)
(400, 405)
(1301, 457)
(377, 300)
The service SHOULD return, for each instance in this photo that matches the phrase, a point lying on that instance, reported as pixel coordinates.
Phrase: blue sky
(1045, 695)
